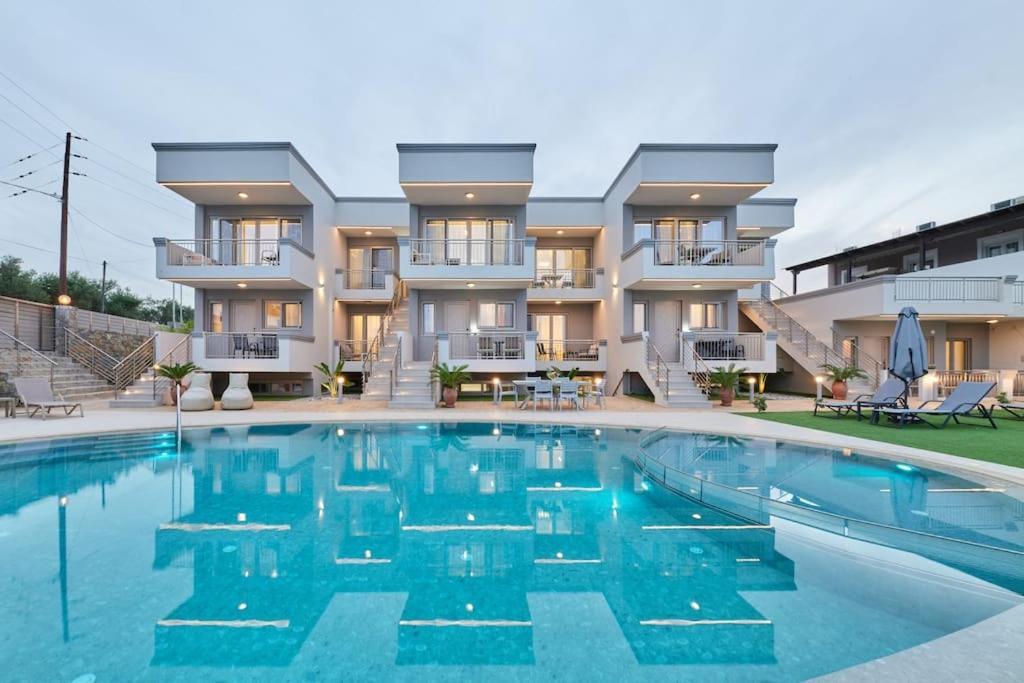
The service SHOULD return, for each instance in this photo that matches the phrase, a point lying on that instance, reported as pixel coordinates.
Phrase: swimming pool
(404, 551)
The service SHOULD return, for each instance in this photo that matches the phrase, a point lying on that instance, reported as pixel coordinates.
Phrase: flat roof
(909, 238)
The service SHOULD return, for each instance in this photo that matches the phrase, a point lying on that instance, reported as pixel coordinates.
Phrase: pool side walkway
(620, 412)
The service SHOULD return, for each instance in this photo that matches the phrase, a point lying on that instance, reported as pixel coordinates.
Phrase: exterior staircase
(70, 380)
(149, 389)
(806, 349)
(389, 375)
(672, 384)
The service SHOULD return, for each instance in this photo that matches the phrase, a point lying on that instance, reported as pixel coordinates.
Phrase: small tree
(334, 380)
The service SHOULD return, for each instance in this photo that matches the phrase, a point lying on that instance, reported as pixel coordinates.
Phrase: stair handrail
(435, 382)
(185, 341)
(96, 360)
(659, 367)
(396, 365)
(131, 367)
(17, 356)
(700, 373)
(375, 345)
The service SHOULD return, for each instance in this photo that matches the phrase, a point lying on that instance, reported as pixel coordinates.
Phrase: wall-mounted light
(471, 285)
(243, 195)
(368, 232)
(64, 300)
(695, 196)
(470, 195)
(241, 285)
(559, 232)
(698, 286)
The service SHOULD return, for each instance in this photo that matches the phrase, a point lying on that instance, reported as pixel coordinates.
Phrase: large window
(250, 241)
(639, 317)
(282, 314)
(705, 316)
(496, 315)
(216, 316)
(470, 241)
(679, 229)
(997, 245)
(427, 319)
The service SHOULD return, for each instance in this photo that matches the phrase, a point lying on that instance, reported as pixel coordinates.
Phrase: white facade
(468, 268)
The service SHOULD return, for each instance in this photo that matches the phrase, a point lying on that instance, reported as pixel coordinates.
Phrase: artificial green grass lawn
(1004, 445)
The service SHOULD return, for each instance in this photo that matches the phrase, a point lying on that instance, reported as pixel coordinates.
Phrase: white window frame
(428, 323)
(495, 304)
(1000, 240)
(646, 316)
(282, 325)
(210, 317)
(719, 308)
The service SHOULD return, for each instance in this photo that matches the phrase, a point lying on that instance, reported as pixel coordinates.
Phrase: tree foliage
(85, 293)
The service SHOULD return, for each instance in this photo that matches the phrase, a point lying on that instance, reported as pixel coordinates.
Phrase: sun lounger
(891, 394)
(36, 395)
(1015, 409)
(964, 400)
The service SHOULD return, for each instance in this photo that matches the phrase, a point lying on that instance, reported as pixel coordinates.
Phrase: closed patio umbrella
(908, 355)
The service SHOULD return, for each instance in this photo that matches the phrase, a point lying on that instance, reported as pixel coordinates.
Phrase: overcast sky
(887, 114)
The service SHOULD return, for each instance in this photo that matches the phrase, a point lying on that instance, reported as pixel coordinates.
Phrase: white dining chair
(544, 390)
(570, 391)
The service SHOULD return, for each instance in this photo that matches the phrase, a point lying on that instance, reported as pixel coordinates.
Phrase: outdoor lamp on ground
(818, 379)
(340, 379)
(750, 383)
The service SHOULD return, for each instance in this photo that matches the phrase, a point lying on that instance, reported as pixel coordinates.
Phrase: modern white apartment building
(965, 278)
(645, 285)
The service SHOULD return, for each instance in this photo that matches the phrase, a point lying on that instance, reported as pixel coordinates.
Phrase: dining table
(525, 387)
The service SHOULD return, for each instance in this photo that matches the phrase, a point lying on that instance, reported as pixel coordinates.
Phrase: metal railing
(657, 366)
(435, 382)
(565, 278)
(179, 353)
(1018, 293)
(432, 252)
(18, 345)
(92, 357)
(353, 349)
(377, 343)
(395, 369)
(709, 253)
(224, 252)
(729, 346)
(817, 351)
(366, 278)
(134, 365)
(948, 289)
(700, 372)
(487, 345)
(226, 345)
(567, 349)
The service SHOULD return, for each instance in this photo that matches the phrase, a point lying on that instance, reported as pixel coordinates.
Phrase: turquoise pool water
(358, 552)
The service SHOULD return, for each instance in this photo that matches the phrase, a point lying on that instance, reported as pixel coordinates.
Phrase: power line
(33, 141)
(34, 187)
(110, 231)
(30, 189)
(132, 194)
(65, 123)
(37, 121)
(29, 156)
(148, 172)
(127, 177)
(37, 170)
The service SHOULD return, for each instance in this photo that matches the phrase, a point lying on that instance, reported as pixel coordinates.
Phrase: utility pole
(62, 286)
(103, 290)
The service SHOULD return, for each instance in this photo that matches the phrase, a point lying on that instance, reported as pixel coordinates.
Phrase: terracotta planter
(839, 390)
(173, 395)
(727, 395)
(449, 395)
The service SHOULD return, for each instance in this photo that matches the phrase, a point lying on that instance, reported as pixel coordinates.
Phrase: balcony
(755, 351)
(661, 264)
(252, 352)
(487, 263)
(223, 263)
(589, 355)
(488, 351)
(569, 284)
(364, 285)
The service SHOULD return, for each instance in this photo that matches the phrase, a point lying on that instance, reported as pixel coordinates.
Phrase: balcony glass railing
(220, 345)
(434, 252)
(567, 350)
(366, 278)
(224, 252)
(565, 278)
(709, 253)
(487, 345)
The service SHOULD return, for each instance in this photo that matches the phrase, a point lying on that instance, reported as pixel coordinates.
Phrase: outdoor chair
(238, 345)
(962, 402)
(1015, 409)
(596, 392)
(198, 395)
(503, 389)
(570, 391)
(512, 349)
(891, 394)
(237, 396)
(544, 390)
(36, 395)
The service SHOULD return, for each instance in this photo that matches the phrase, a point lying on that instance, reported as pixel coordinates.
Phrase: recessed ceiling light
(991, 322)
(560, 232)
(242, 285)
(698, 286)
(558, 303)
(243, 195)
(695, 196)
(470, 195)
(471, 284)
(368, 232)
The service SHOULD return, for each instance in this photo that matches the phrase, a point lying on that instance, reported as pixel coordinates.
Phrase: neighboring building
(969, 293)
(641, 285)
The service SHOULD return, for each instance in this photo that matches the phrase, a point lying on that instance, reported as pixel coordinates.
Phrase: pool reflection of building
(470, 524)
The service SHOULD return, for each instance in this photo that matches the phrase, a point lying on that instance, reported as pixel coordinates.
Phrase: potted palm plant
(726, 379)
(840, 376)
(450, 379)
(334, 384)
(178, 373)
